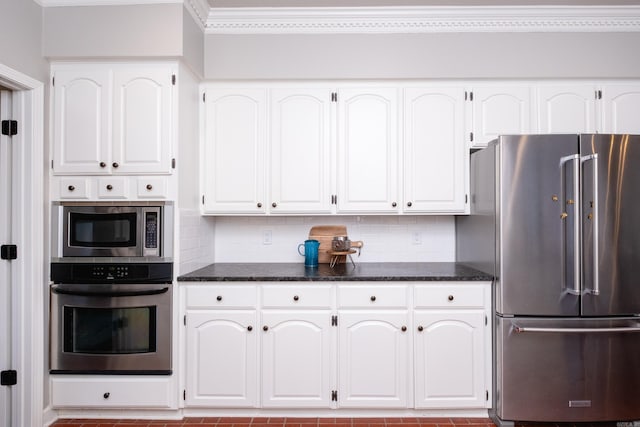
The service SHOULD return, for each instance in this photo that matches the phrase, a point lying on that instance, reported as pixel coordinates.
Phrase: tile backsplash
(275, 239)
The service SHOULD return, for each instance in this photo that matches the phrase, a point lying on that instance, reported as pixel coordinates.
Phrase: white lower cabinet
(78, 391)
(351, 345)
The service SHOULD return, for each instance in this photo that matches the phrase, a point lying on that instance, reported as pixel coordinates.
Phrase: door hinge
(173, 79)
(334, 199)
(8, 252)
(203, 199)
(486, 395)
(486, 320)
(8, 378)
(334, 395)
(184, 320)
(53, 81)
(334, 320)
(9, 127)
(173, 163)
(468, 95)
(466, 199)
(471, 136)
(204, 97)
(184, 394)
(334, 96)
(598, 94)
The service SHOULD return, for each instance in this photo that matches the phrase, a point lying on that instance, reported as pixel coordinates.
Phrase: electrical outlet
(267, 237)
(416, 238)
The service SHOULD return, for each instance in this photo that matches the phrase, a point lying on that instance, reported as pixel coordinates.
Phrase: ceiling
(396, 3)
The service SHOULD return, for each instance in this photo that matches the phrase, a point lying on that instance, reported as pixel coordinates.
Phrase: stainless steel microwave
(137, 231)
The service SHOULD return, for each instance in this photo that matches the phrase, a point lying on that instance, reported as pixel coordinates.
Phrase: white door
(569, 108)
(500, 110)
(233, 167)
(297, 350)
(300, 151)
(222, 359)
(435, 156)
(368, 150)
(142, 121)
(621, 108)
(81, 115)
(374, 363)
(449, 359)
(5, 272)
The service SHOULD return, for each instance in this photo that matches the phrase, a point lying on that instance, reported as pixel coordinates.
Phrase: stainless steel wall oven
(112, 292)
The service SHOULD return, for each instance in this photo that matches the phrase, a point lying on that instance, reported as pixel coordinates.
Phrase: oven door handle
(138, 293)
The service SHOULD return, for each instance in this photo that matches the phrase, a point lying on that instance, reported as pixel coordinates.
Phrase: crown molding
(62, 3)
(428, 19)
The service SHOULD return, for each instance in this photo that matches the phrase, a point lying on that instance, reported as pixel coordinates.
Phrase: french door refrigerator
(556, 220)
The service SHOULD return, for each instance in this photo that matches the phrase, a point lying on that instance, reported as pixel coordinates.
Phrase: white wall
(386, 238)
(449, 55)
(21, 38)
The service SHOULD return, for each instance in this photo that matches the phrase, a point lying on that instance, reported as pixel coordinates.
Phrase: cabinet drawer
(152, 188)
(74, 188)
(294, 296)
(372, 296)
(111, 393)
(112, 188)
(222, 296)
(449, 296)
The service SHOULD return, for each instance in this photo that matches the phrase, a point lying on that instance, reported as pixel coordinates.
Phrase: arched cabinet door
(567, 108)
(221, 364)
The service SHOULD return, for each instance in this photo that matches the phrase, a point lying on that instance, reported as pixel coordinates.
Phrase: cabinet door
(297, 351)
(368, 150)
(449, 359)
(234, 150)
(500, 110)
(435, 157)
(81, 116)
(300, 151)
(374, 361)
(222, 359)
(621, 108)
(142, 121)
(567, 108)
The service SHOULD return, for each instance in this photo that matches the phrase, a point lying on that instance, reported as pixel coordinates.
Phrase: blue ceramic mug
(310, 253)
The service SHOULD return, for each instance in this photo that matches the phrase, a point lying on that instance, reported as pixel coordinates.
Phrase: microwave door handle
(595, 289)
(575, 158)
(145, 292)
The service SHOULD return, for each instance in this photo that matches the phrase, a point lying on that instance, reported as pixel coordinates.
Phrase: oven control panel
(112, 273)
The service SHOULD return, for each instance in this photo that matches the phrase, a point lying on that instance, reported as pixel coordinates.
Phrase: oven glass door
(111, 329)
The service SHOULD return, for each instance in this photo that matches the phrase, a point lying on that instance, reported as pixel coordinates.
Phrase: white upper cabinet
(434, 150)
(112, 119)
(81, 112)
(567, 108)
(142, 121)
(367, 150)
(300, 150)
(499, 110)
(234, 151)
(621, 108)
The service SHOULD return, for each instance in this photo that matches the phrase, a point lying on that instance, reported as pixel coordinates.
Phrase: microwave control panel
(151, 230)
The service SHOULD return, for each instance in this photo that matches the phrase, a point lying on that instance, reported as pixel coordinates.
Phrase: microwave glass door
(108, 230)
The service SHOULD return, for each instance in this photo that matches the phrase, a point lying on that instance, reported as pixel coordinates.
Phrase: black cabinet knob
(409, 204)
(109, 187)
(115, 164)
(71, 188)
(296, 297)
(265, 328)
(404, 329)
(373, 298)
(274, 204)
(106, 395)
(103, 165)
(219, 298)
(249, 328)
(450, 297)
(259, 205)
(420, 329)
(149, 187)
(394, 204)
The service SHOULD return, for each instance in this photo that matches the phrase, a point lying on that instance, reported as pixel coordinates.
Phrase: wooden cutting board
(325, 234)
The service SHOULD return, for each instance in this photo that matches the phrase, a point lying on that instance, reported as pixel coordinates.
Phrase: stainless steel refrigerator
(556, 220)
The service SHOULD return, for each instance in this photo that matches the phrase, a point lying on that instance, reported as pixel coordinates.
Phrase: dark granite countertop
(294, 272)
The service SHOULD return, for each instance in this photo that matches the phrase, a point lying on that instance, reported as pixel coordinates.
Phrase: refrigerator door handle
(575, 158)
(523, 329)
(595, 289)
